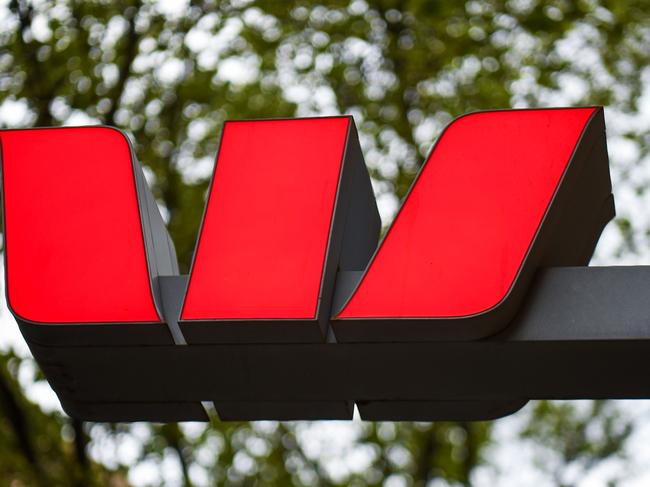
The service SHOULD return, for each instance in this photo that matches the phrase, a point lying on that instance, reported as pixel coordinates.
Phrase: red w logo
(287, 250)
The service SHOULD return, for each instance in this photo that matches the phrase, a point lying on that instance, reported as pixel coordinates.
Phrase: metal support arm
(583, 333)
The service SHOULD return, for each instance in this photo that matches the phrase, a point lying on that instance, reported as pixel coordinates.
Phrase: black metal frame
(582, 333)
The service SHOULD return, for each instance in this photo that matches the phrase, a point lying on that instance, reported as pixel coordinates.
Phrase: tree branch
(18, 423)
(80, 442)
(39, 98)
(423, 466)
(130, 51)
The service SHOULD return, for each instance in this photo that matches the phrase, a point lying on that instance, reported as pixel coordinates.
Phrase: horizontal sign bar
(583, 333)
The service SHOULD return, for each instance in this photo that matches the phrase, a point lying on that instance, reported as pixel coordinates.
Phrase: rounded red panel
(464, 230)
(75, 252)
(266, 229)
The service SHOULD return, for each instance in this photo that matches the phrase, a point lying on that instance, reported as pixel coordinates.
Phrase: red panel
(75, 252)
(465, 228)
(262, 248)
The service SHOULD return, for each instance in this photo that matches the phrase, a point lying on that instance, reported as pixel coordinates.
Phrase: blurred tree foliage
(171, 75)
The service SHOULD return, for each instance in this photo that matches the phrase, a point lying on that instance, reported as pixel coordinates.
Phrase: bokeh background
(170, 72)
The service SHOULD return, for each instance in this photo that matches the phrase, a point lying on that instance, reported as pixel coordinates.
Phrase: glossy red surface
(75, 252)
(463, 232)
(264, 239)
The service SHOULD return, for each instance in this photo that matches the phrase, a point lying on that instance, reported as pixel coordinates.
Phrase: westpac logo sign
(288, 247)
